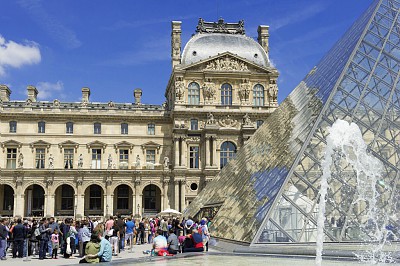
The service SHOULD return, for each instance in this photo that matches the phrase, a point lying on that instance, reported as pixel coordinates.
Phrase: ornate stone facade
(84, 158)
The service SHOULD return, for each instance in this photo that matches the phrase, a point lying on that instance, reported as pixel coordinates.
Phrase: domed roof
(204, 45)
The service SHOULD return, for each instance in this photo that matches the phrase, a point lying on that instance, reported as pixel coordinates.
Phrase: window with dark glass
(13, 126)
(8, 198)
(151, 156)
(124, 128)
(228, 152)
(95, 197)
(194, 159)
(123, 197)
(194, 124)
(123, 158)
(67, 197)
(193, 93)
(40, 158)
(258, 95)
(259, 123)
(69, 127)
(41, 127)
(96, 158)
(11, 158)
(151, 129)
(68, 158)
(97, 128)
(226, 94)
(37, 198)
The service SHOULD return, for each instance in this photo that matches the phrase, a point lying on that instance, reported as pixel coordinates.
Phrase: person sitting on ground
(105, 252)
(92, 248)
(159, 242)
(197, 242)
(173, 243)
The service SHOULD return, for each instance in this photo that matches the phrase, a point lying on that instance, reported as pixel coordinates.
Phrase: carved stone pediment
(11, 144)
(40, 144)
(227, 122)
(226, 63)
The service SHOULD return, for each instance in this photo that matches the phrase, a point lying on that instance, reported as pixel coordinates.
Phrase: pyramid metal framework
(270, 191)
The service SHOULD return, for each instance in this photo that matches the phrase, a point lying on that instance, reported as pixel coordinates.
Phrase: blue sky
(116, 46)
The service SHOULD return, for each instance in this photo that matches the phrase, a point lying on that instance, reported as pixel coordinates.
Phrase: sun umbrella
(169, 212)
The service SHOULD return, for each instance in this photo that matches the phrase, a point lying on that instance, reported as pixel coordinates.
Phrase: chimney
(85, 94)
(137, 93)
(176, 42)
(5, 93)
(32, 93)
(263, 36)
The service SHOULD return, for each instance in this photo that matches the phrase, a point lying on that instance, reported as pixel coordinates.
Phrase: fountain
(345, 141)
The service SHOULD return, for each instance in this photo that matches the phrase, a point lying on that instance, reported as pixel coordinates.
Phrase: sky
(113, 47)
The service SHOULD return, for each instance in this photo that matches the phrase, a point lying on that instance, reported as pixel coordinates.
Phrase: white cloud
(47, 89)
(16, 55)
(297, 16)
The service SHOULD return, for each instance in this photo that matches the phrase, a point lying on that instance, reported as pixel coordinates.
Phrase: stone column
(183, 195)
(214, 152)
(176, 140)
(79, 199)
(184, 153)
(19, 201)
(207, 151)
(165, 199)
(109, 199)
(176, 195)
(138, 199)
(50, 204)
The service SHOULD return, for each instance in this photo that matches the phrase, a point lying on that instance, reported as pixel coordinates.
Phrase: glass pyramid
(270, 192)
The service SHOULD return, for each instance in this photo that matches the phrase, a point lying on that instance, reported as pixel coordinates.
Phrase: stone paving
(34, 260)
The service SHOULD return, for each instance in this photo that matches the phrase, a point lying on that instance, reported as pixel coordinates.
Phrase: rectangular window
(194, 124)
(97, 128)
(123, 197)
(194, 157)
(259, 123)
(70, 128)
(123, 159)
(95, 198)
(13, 126)
(67, 198)
(68, 158)
(11, 158)
(96, 158)
(151, 156)
(41, 127)
(124, 128)
(151, 129)
(40, 158)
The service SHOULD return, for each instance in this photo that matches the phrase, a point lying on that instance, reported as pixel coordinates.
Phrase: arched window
(228, 151)
(258, 95)
(226, 94)
(193, 93)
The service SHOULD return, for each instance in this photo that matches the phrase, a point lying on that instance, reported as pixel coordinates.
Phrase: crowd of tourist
(96, 241)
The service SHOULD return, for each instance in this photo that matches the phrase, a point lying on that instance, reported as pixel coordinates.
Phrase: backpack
(37, 233)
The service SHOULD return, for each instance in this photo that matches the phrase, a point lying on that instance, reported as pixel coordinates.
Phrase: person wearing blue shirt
(105, 253)
(130, 227)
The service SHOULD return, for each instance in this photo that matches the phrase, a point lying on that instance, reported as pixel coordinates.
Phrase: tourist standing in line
(114, 238)
(3, 239)
(129, 231)
(121, 227)
(19, 235)
(84, 237)
(53, 226)
(188, 225)
(44, 238)
(109, 224)
(55, 243)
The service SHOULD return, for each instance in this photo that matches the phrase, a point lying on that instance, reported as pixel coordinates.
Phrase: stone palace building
(88, 158)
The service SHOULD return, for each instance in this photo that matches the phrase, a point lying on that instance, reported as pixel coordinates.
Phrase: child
(55, 244)
(181, 238)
